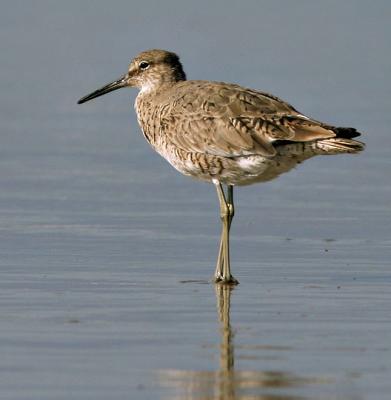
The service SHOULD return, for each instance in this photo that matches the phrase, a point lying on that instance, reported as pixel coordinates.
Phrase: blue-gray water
(105, 250)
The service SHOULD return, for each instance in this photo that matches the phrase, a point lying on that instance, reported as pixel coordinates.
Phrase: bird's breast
(147, 117)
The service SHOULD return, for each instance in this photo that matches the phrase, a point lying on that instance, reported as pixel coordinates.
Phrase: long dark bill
(105, 89)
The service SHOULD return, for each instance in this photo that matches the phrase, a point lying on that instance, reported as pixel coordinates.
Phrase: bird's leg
(230, 203)
(219, 264)
(223, 210)
(227, 277)
(226, 211)
(223, 272)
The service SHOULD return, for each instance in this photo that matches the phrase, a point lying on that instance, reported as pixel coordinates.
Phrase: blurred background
(106, 250)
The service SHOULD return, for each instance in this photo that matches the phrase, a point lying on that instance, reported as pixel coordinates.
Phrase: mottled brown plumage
(222, 132)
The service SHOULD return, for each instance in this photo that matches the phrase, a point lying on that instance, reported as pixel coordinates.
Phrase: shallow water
(106, 251)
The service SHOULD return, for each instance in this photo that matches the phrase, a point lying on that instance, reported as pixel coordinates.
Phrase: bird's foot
(226, 280)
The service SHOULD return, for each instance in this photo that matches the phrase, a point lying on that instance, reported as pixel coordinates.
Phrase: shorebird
(222, 133)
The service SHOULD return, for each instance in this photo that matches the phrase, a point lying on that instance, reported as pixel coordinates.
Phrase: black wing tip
(346, 133)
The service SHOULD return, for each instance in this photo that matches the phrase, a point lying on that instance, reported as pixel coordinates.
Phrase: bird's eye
(144, 65)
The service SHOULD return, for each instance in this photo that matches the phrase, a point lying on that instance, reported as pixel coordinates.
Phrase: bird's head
(147, 71)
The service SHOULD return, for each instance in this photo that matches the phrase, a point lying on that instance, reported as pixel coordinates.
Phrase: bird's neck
(158, 84)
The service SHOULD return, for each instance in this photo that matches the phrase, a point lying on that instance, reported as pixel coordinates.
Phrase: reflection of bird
(221, 132)
(229, 383)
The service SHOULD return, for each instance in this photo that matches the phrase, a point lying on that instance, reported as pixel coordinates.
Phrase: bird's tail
(337, 145)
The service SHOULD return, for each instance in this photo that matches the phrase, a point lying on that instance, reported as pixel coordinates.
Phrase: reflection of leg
(223, 296)
(223, 267)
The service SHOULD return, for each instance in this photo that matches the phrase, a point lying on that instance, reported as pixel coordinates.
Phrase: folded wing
(231, 121)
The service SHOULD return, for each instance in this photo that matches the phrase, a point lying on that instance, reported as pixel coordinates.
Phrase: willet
(222, 133)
